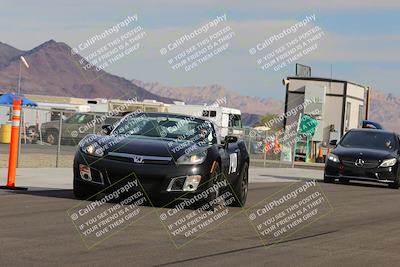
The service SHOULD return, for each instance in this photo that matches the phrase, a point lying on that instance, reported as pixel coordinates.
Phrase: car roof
(371, 130)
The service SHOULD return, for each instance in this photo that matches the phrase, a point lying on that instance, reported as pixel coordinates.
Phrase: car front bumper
(155, 179)
(377, 174)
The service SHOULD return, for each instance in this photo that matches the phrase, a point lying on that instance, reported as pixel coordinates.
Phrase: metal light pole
(22, 60)
(19, 78)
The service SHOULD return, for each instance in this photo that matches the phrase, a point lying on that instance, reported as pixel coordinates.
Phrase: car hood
(365, 153)
(144, 146)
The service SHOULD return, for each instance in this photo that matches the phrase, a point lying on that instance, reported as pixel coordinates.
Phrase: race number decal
(233, 161)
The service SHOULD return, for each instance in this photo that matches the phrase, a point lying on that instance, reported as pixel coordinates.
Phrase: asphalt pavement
(359, 227)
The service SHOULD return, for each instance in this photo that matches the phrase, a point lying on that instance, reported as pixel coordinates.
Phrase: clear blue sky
(361, 37)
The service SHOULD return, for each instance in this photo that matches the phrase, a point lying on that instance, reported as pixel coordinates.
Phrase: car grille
(139, 159)
(368, 164)
(150, 183)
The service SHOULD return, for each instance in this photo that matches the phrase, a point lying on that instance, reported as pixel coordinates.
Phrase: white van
(228, 120)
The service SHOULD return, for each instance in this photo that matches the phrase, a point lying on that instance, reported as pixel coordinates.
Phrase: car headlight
(388, 162)
(93, 150)
(197, 158)
(333, 157)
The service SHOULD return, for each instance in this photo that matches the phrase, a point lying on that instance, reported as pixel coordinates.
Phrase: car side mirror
(230, 139)
(333, 142)
(107, 128)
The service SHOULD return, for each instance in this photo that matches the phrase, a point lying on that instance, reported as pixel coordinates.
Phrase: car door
(68, 127)
(77, 126)
(231, 158)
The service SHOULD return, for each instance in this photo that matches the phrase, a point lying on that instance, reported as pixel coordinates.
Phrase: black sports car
(171, 155)
(365, 154)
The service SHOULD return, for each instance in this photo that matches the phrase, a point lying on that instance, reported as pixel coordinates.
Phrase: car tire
(395, 184)
(328, 180)
(32, 133)
(51, 137)
(83, 191)
(240, 189)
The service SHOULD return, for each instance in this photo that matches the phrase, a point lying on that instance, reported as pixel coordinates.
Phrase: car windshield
(167, 126)
(79, 118)
(366, 139)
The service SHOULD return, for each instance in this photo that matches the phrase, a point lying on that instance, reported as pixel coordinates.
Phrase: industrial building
(337, 105)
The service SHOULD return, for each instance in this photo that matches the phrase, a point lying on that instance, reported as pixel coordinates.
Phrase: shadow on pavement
(56, 193)
(293, 178)
(363, 184)
(351, 183)
(68, 194)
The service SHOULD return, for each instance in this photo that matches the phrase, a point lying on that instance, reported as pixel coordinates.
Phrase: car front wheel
(211, 201)
(328, 179)
(83, 191)
(51, 137)
(241, 187)
(395, 184)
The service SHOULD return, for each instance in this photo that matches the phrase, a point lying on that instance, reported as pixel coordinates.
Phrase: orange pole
(13, 157)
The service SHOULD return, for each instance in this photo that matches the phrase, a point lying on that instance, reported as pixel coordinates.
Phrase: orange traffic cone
(267, 147)
(276, 145)
(320, 157)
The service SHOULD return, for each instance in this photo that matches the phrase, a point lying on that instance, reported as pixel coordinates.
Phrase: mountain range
(383, 108)
(208, 94)
(55, 71)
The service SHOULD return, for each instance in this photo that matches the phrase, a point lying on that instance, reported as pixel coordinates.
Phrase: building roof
(322, 79)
